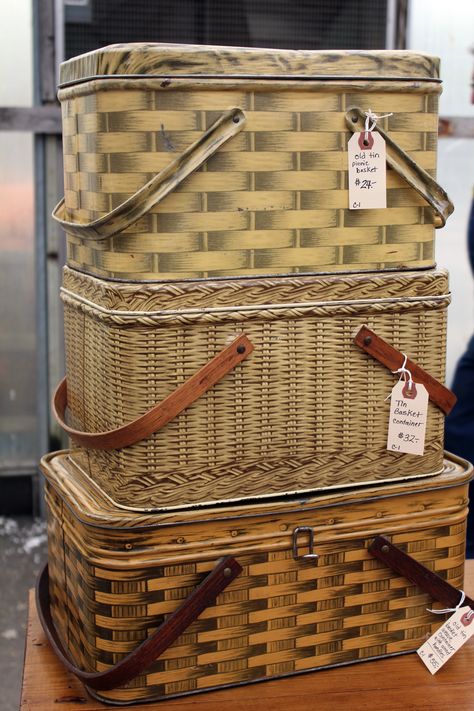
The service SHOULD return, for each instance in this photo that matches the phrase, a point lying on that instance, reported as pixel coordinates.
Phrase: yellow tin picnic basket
(195, 161)
(297, 588)
(183, 394)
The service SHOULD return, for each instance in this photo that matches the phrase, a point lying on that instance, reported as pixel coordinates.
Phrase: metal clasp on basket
(311, 555)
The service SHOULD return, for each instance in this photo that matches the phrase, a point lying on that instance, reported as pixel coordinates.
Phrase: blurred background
(36, 36)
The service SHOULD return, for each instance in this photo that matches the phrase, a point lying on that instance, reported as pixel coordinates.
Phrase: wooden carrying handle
(230, 123)
(403, 564)
(393, 359)
(163, 412)
(405, 166)
(145, 654)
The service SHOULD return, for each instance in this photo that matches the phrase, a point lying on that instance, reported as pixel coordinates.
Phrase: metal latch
(310, 544)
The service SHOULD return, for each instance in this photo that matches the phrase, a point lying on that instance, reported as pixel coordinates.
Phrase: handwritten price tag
(447, 640)
(367, 171)
(408, 415)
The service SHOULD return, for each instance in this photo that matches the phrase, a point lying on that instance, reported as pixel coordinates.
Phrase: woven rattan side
(307, 405)
(273, 200)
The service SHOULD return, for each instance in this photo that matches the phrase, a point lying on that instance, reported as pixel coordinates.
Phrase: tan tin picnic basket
(296, 586)
(265, 133)
(207, 391)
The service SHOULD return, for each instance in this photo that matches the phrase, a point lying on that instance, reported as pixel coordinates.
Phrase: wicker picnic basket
(255, 386)
(301, 592)
(265, 134)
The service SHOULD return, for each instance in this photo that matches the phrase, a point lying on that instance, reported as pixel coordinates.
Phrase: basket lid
(185, 61)
(90, 505)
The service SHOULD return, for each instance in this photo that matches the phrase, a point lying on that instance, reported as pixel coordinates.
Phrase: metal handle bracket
(306, 556)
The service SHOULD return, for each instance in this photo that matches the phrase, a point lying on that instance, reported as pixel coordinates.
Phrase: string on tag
(453, 609)
(404, 372)
(370, 116)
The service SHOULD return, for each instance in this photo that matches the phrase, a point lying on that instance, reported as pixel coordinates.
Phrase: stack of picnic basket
(229, 510)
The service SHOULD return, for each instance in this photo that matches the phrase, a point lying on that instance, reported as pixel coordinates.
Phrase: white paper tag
(408, 415)
(447, 640)
(367, 171)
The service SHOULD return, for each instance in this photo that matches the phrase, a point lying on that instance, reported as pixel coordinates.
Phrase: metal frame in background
(48, 186)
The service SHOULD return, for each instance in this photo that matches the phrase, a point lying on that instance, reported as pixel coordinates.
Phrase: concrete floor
(22, 553)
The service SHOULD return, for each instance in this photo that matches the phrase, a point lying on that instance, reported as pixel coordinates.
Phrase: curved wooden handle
(163, 412)
(145, 654)
(386, 354)
(118, 219)
(403, 564)
(410, 171)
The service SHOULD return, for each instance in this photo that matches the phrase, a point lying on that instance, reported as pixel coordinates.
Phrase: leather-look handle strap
(393, 359)
(402, 563)
(415, 175)
(145, 654)
(137, 205)
(163, 412)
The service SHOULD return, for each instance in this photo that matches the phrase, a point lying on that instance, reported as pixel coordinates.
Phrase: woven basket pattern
(307, 406)
(273, 200)
(147, 297)
(280, 616)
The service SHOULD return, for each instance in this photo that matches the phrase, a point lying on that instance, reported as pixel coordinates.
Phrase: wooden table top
(396, 683)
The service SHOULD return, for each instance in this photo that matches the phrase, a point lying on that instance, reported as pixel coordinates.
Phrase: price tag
(447, 640)
(408, 415)
(367, 171)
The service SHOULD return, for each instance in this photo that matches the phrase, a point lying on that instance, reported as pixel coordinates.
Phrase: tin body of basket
(306, 410)
(115, 575)
(270, 192)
